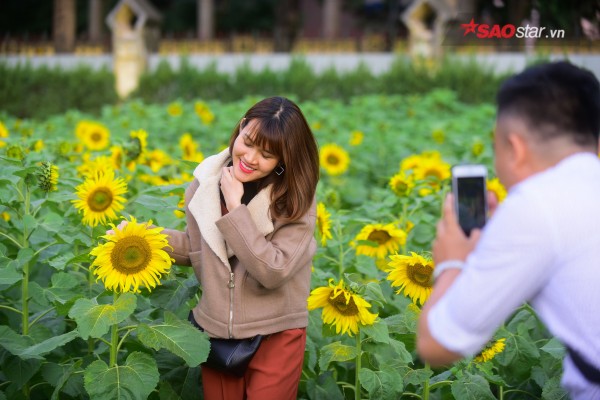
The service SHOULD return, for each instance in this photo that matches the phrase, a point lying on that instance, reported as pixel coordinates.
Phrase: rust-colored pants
(273, 373)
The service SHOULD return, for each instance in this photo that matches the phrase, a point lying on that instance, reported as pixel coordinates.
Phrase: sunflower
(412, 274)
(116, 156)
(385, 240)
(497, 188)
(3, 134)
(477, 148)
(99, 164)
(490, 351)
(334, 159)
(139, 144)
(47, 176)
(432, 172)
(157, 159)
(203, 112)
(356, 138)
(413, 161)
(189, 148)
(5, 216)
(323, 223)
(401, 184)
(438, 136)
(132, 256)
(343, 308)
(94, 135)
(175, 109)
(100, 197)
(38, 145)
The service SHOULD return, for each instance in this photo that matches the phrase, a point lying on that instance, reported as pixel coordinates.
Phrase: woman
(250, 238)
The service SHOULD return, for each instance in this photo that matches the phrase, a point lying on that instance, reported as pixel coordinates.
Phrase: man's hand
(232, 188)
(450, 242)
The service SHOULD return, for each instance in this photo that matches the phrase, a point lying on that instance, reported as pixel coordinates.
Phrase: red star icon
(470, 27)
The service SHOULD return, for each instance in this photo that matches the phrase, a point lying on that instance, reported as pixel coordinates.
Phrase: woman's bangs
(268, 137)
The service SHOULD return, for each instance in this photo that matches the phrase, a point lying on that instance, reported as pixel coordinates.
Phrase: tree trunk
(287, 24)
(206, 19)
(96, 14)
(63, 27)
(331, 19)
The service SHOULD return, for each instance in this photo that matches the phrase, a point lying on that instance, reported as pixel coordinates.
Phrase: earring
(279, 169)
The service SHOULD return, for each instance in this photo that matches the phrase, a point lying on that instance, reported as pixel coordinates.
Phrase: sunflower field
(91, 308)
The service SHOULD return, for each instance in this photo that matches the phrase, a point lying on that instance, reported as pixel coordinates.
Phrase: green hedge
(28, 92)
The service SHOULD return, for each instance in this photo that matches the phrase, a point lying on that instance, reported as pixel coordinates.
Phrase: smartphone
(470, 195)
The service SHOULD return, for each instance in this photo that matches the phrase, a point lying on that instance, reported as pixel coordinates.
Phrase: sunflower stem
(25, 282)
(404, 222)
(114, 338)
(426, 385)
(90, 272)
(341, 261)
(358, 358)
(500, 392)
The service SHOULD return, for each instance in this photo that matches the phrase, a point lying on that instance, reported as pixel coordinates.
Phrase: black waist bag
(230, 355)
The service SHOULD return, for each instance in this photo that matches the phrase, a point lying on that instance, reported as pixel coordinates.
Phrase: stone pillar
(331, 18)
(95, 15)
(206, 19)
(129, 52)
(63, 26)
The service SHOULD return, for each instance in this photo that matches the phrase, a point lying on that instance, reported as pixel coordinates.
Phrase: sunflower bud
(16, 152)
(47, 176)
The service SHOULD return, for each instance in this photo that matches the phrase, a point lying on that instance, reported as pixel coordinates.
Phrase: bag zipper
(231, 285)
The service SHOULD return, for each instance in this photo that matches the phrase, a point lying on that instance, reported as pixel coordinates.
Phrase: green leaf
(555, 348)
(381, 384)
(417, 376)
(19, 371)
(324, 388)
(39, 349)
(553, 391)
(155, 203)
(135, 380)
(12, 341)
(26, 348)
(402, 355)
(58, 376)
(53, 222)
(8, 273)
(378, 332)
(29, 223)
(373, 292)
(173, 294)
(95, 319)
(62, 261)
(471, 387)
(61, 289)
(177, 336)
(336, 351)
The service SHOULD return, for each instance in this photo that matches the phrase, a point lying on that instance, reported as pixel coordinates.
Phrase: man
(542, 245)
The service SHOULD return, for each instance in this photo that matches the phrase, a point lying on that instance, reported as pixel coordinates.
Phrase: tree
(63, 26)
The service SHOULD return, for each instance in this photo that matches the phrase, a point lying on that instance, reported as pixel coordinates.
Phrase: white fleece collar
(205, 205)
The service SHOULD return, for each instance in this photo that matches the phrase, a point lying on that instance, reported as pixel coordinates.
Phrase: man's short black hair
(554, 99)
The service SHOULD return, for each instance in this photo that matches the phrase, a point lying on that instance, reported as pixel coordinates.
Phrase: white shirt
(542, 246)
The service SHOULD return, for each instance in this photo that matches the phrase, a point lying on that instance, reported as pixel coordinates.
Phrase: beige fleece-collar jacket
(254, 271)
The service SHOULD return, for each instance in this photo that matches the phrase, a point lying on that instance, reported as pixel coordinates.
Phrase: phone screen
(471, 203)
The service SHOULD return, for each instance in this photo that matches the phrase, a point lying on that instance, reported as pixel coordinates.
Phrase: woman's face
(250, 161)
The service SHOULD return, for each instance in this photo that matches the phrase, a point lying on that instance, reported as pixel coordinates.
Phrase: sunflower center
(339, 302)
(433, 173)
(131, 254)
(401, 186)
(381, 237)
(420, 274)
(333, 159)
(96, 137)
(100, 199)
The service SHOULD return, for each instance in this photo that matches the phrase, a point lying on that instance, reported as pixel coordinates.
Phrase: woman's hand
(120, 227)
(232, 188)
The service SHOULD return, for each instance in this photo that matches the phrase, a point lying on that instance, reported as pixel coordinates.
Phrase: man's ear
(519, 150)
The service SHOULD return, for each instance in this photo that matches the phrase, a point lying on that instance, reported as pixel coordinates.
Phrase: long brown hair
(282, 129)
